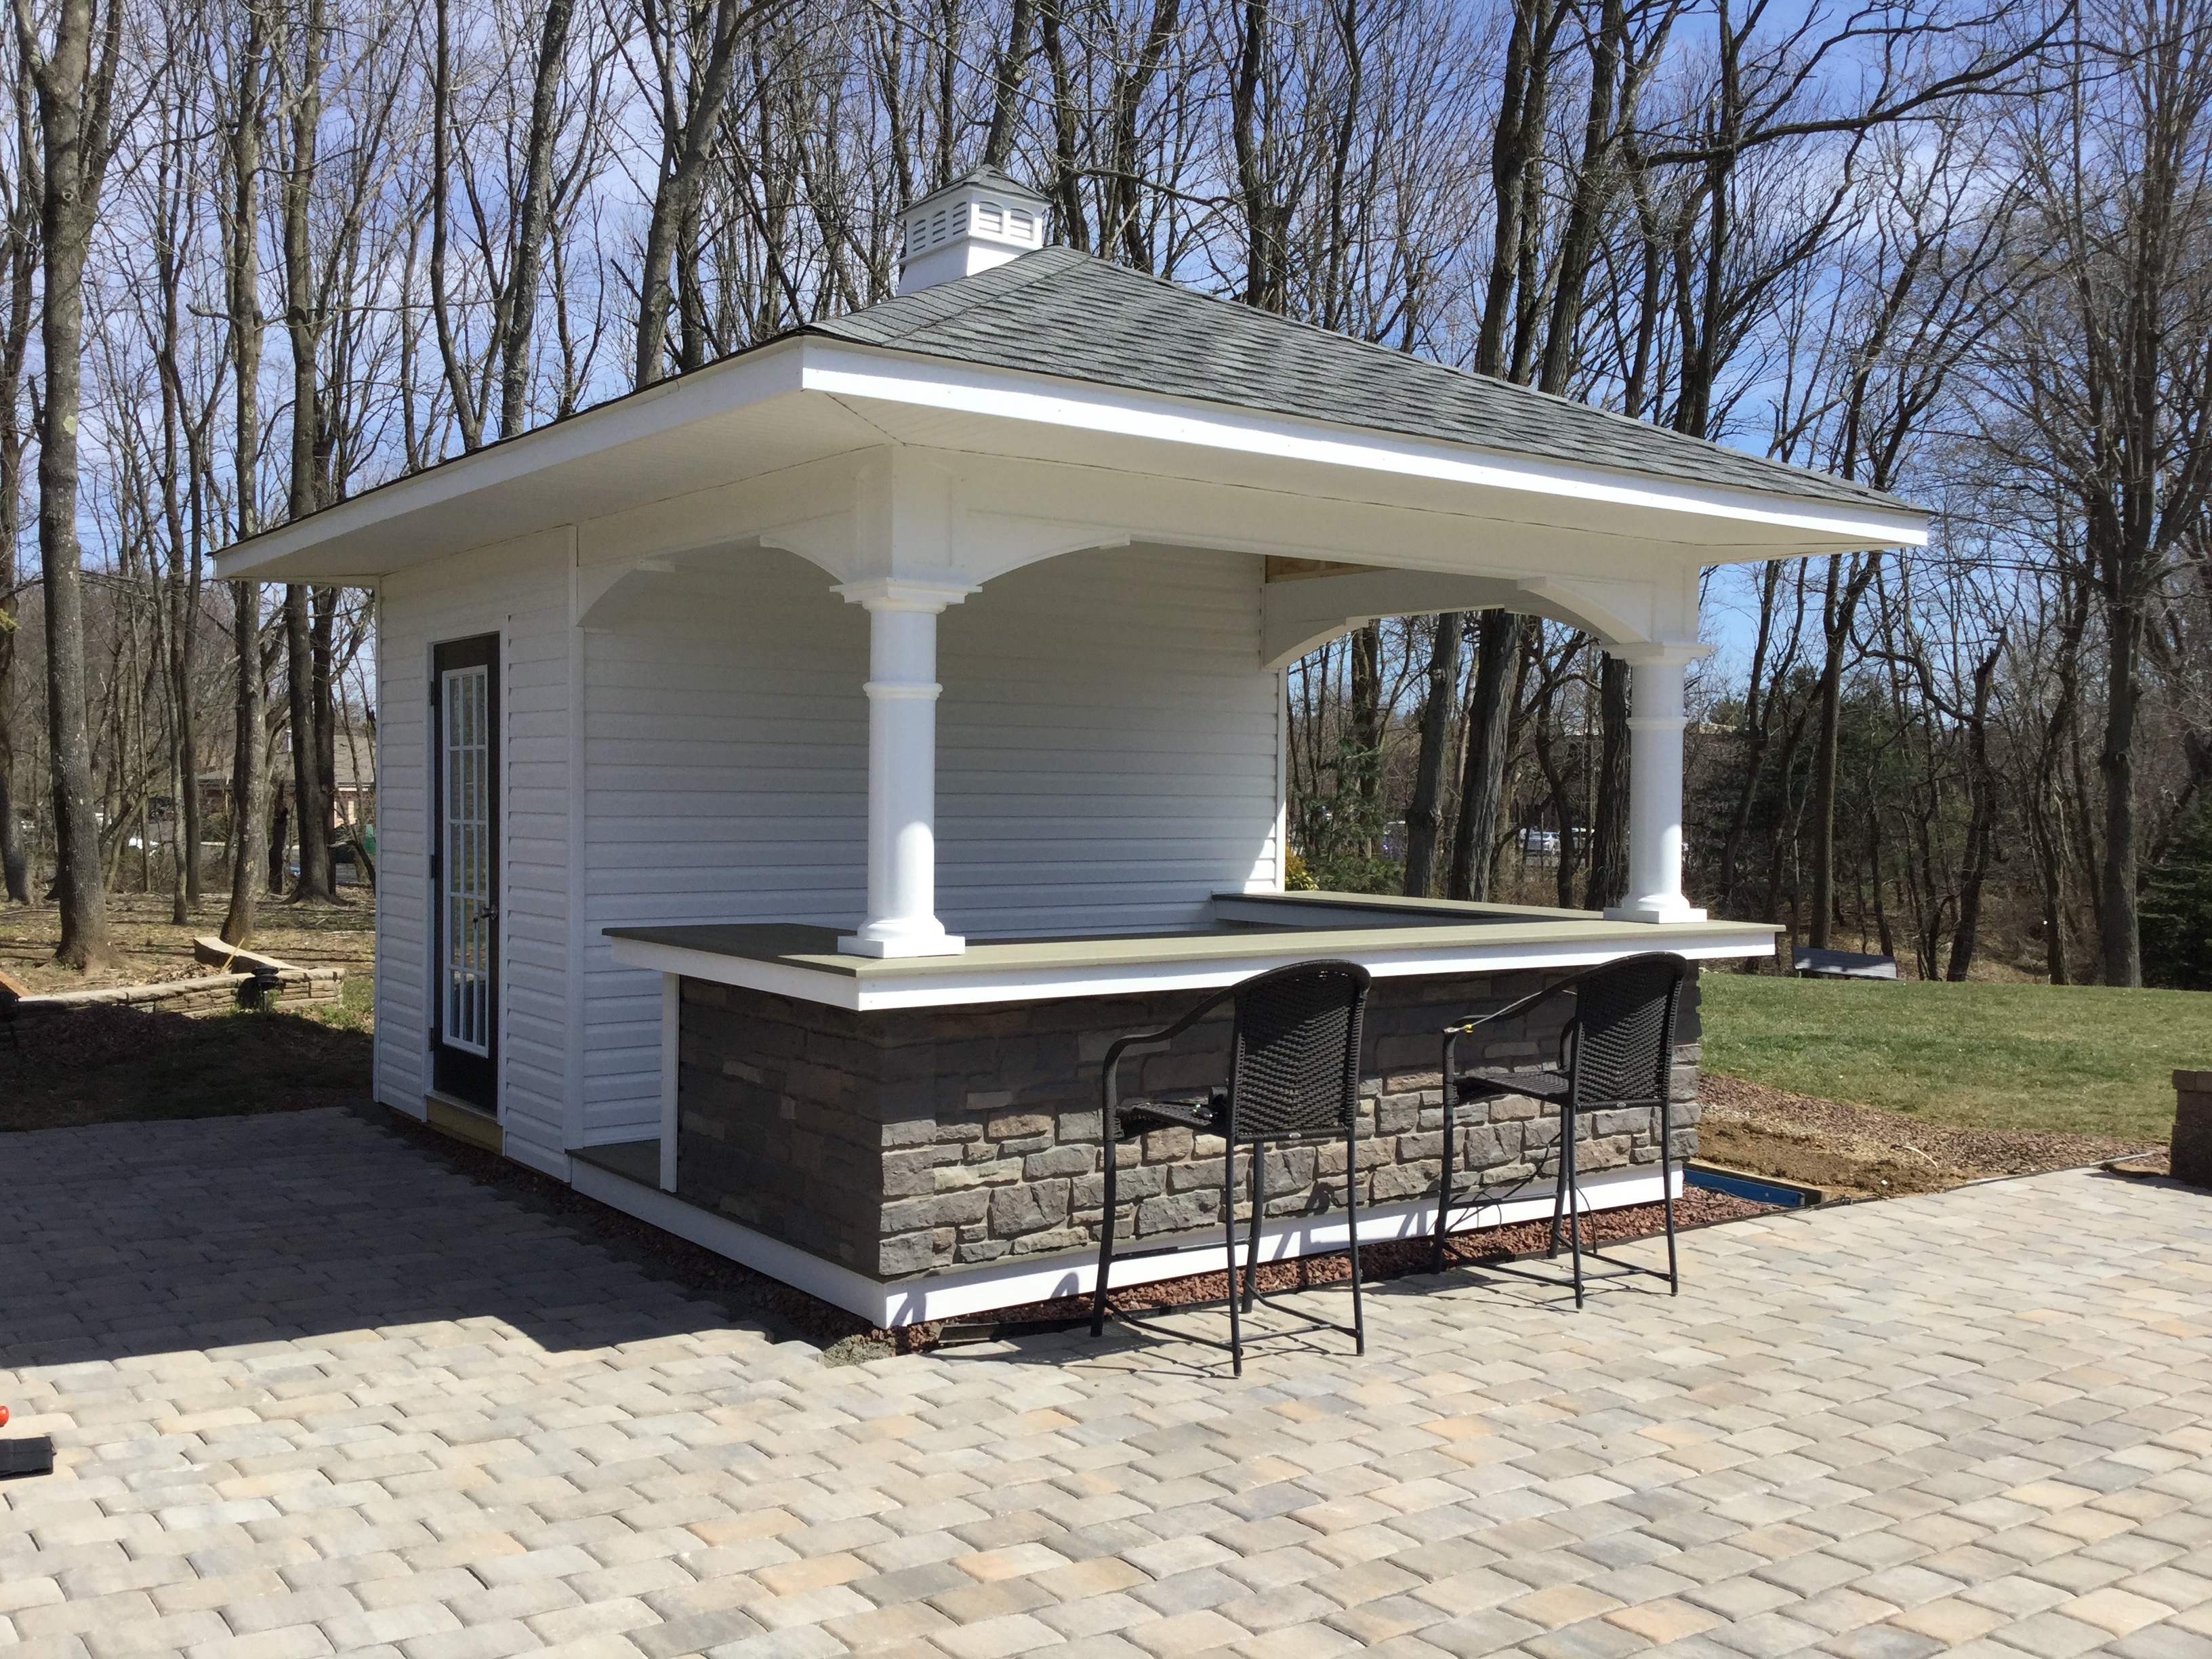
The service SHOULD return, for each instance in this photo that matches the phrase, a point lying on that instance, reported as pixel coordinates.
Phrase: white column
(903, 691)
(1654, 783)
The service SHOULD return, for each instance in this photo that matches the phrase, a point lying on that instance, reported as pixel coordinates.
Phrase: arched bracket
(1298, 615)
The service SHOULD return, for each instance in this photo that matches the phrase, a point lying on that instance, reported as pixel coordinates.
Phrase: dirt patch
(154, 949)
(116, 1065)
(1863, 1151)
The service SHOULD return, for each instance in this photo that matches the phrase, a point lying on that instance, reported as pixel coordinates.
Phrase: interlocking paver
(315, 1393)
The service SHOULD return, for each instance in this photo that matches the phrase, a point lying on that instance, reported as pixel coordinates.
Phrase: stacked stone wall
(208, 993)
(912, 1142)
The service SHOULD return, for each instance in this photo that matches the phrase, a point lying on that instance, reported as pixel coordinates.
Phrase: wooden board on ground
(232, 959)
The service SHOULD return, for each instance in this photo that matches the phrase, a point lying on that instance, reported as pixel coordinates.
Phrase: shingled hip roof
(1060, 312)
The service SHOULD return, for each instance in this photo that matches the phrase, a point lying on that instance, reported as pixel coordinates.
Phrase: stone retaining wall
(899, 1143)
(209, 994)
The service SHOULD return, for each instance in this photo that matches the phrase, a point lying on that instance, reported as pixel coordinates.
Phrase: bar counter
(917, 1138)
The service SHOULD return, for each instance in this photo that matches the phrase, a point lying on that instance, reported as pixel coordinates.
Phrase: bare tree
(24, 194)
(695, 54)
(1490, 711)
(249, 777)
(1424, 821)
(72, 61)
(2110, 366)
(304, 323)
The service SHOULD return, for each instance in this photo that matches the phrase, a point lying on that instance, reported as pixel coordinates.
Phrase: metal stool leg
(1352, 1224)
(1444, 1192)
(1105, 1235)
(1229, 1254)
(1563, 1162)
(1667, 1191)
(1259, 1155)
(1574, 1198)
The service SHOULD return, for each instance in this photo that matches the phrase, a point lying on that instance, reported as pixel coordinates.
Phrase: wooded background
(260, 257)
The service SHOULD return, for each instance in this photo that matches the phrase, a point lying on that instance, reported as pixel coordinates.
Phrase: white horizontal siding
(726, 756)
(1107, 759)
(520, 592)
(1106, 745)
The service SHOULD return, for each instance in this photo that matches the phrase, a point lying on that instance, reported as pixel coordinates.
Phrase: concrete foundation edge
(984, 1290)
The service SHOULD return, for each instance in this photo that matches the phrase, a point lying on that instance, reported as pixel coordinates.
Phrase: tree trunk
(308, 812)
(1981, 821)
(2117, 765)
(1482, 772)
(1840, 613)
(323, 607)
(188, 736)
(73, 93)
(304, 328)
(1608, 872)
(1423, 816)
(535, 215)
(14, 871)
(686, 147)
(249, 777)
(180, 909)
(1364, 727)
(22, 278)
(280, 839)
(1007, 75)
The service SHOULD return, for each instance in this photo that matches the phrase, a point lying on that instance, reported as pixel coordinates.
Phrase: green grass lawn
(2078, 1059)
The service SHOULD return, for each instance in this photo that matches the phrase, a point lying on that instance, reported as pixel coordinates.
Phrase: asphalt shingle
(1061, 313)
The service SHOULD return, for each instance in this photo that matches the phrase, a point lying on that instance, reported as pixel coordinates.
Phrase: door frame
(456, 1074)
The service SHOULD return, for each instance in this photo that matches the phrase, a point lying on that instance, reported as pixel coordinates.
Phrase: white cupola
(982, 219)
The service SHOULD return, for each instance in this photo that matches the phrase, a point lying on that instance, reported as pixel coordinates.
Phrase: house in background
(793, 772)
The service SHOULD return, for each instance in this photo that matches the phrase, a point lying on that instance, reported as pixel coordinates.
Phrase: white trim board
(952, 987)
(857, 373)
(1011, 1285)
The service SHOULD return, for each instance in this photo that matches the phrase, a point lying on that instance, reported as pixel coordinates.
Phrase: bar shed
(794, 773)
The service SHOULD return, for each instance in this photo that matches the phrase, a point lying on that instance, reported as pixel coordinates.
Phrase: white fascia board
(864, 993)
(886, 375)
(719, 389)
(1014, 1284)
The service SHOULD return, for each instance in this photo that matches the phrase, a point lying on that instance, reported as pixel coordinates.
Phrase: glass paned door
(464, 871)
(465, 695)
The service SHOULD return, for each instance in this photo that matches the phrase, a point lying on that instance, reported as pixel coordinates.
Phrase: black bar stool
(1616, 1049)
(1294, 1075)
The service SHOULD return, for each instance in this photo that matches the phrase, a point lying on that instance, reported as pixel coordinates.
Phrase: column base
(931, 945)
(1653, 910)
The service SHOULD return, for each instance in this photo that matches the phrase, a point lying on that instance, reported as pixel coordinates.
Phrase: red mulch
(1697, 1207)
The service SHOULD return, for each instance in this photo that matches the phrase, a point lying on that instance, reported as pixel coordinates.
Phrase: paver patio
(316, 1392)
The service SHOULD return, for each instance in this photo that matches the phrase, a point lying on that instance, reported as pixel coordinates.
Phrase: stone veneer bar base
(953, 1155)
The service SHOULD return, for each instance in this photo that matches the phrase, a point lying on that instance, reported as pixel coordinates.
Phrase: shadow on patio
(142, 1238)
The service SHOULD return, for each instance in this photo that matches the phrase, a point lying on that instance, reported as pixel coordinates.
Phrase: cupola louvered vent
(982, 219)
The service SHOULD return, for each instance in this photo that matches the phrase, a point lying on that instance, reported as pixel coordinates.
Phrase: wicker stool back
(1617, 1048)
(1294, 1075)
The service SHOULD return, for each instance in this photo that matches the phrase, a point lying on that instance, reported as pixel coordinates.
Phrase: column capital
(1669, 654)
(929, 595)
